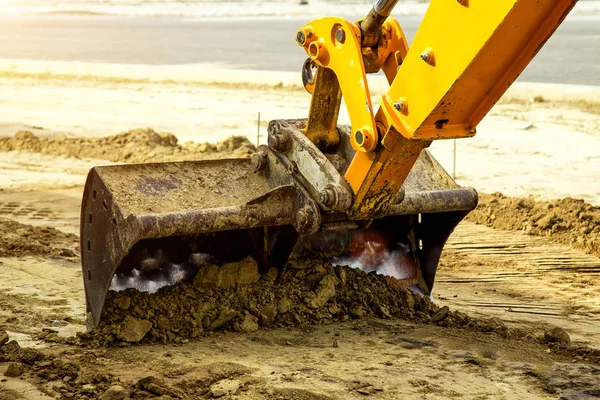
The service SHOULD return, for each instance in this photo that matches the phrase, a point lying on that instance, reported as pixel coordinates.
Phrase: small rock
(29, 356)
(14, 369)
(284, 305)
(547, 221)
(123, 302)
(158, 387)
(225, 315)
(357, 312)
(133, 329)
(224, 387)
(441, 314)
(115, 392)
(247, 272)
(410, 301)
(25, 135)
(142, 394)
(249, 324)
(268, 313)
(324, 292)
(45, 364)
(209, 276)
(3, 337)
(557, 335)
(88, 388)
(239, 273)
(364, 392)
(272, 274)
(334, 309)
(343, 276)
(497, 323)
(385, 313)
(52, 337)
(538, 99)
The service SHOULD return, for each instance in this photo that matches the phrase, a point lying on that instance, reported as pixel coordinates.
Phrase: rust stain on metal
(156, 186)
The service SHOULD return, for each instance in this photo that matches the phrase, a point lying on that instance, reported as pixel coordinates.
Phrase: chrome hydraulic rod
(371, 25)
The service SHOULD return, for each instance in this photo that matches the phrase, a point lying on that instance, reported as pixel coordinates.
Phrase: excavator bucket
(369, 195)
(150, 225)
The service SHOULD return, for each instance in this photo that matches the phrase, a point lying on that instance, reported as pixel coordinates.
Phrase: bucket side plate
(123, 205)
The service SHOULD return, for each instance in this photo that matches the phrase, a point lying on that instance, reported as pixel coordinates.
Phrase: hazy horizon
(222, 8)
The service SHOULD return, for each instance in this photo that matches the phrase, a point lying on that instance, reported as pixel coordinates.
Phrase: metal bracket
(308, 165)
(334, 43)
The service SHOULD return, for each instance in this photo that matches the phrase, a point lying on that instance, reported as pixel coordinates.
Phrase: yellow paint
(358, 169)
(342, 58)
(463, 58)
(478, 48)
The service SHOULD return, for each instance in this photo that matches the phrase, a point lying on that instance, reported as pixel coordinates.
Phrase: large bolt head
(359, 137)
(304, 219)
(274, 127)
(259, 160)
(399, 106)
(340, 35)
(327, 197)
(278, 141)
(428, 56)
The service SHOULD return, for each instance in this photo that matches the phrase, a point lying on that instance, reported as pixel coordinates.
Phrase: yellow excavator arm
(464, 56)
(369, 193)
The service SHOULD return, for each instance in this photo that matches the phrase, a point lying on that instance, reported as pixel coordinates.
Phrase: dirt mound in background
(569, 221)
(305, 293)
(135, 146)
(18, 240)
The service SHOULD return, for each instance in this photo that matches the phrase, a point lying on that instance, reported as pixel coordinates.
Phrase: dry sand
(545, 149)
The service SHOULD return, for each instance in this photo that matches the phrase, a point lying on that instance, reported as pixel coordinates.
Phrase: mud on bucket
(151, 225)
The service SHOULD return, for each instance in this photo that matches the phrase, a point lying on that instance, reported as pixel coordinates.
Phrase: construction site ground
(531, 263)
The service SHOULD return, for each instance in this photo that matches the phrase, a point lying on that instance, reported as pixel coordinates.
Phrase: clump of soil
(569, 221)
(134, 146)
(17, 240)
(45, 367)
(305, 293)
(70, 375)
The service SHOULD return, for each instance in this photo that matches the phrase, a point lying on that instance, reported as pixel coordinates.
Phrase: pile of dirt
(134, 146)
(569, 221)
(70, 374)
(235, 297)
(75, 382)
(17, 240)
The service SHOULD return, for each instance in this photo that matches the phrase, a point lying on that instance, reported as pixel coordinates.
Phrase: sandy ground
(545, 149)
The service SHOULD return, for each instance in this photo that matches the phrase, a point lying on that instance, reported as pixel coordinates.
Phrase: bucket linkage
(160, 222)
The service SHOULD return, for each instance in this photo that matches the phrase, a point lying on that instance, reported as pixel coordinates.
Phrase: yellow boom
(370, 192)
(464, 56)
